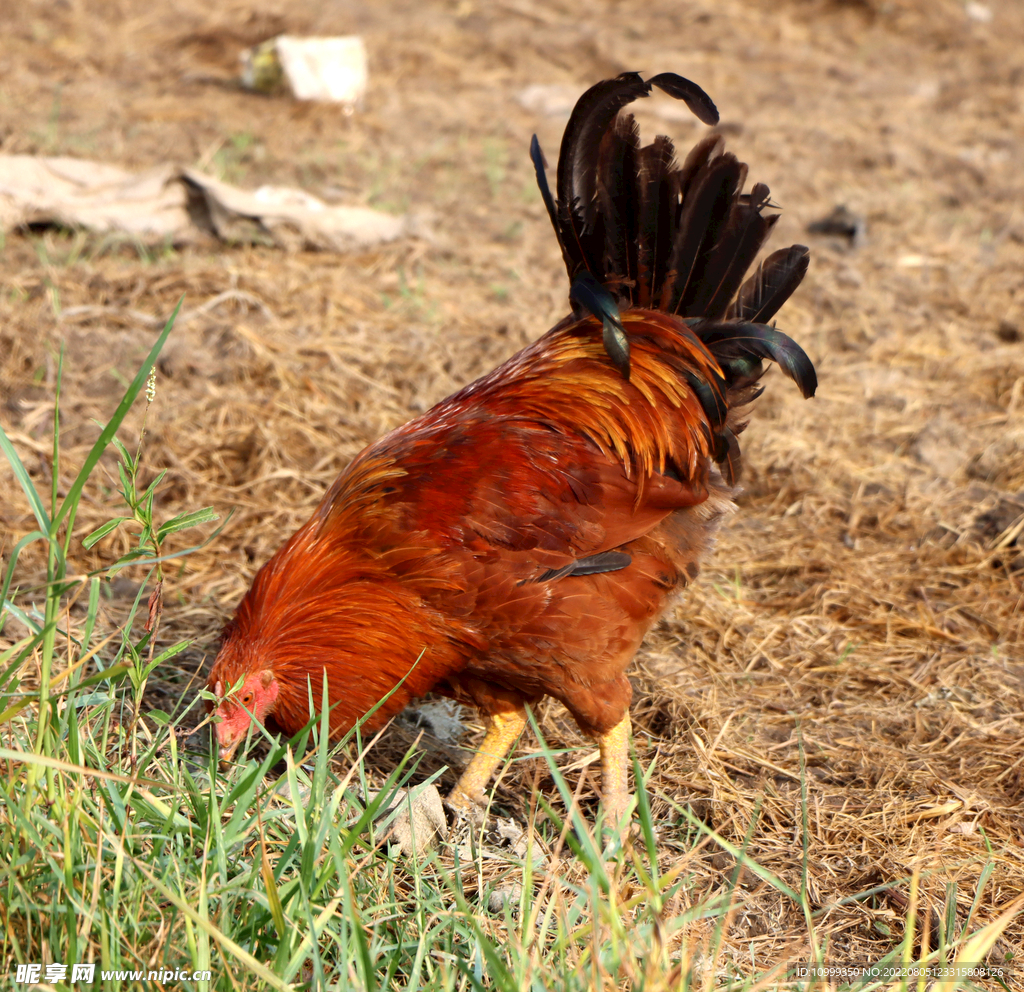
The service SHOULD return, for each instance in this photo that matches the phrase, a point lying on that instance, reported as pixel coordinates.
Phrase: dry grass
(862, 615)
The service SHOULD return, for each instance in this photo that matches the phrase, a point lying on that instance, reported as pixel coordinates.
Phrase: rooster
(520, 538)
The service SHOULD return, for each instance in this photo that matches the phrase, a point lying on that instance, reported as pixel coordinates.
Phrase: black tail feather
(577, 167)
(616, 221)
(657, 202)
(588, 295)
(708, 148)
(540, 167)
(690, 93)
(706, 212)
(746, 231)
(771, 285)
(728, 455)
(603, 561)
(729, 342)
(711, 396)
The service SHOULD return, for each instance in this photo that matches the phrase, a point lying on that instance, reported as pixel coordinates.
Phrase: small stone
(440, 717)
(843, 222)
(847, 275)
(1008, 331)
(420, 820)
(980, 12)
(500, 897)
(551, 99)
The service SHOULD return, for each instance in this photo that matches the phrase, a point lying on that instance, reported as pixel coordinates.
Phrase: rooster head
(251, 703)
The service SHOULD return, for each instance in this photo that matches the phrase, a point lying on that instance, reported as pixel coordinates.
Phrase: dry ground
(867, 597)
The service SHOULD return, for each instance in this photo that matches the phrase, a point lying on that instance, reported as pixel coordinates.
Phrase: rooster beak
(227, 752)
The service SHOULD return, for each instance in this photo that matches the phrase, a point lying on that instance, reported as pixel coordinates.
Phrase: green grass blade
(55, 463)
(108, 432)
(25, 481)
(741, 856)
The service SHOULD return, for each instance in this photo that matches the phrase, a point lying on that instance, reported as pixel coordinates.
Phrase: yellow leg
(614, 747)
(501, 735)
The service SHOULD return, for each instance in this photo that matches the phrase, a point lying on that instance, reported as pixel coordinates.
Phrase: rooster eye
(247, 700)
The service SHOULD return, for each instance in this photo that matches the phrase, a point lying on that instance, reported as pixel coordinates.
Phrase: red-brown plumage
(440, 555)
(426, 545)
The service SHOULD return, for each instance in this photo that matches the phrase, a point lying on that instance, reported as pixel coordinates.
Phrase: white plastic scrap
(332, 70)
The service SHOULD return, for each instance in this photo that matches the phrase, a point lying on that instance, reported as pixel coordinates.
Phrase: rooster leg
(501, 735)
(614, 747)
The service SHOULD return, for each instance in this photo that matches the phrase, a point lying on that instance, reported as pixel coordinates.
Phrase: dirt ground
(865, 605)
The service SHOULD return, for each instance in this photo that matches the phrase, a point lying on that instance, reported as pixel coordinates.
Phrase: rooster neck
(367, 640)
(335, 602)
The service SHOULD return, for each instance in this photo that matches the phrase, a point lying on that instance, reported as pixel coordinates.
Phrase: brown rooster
(519, 539)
